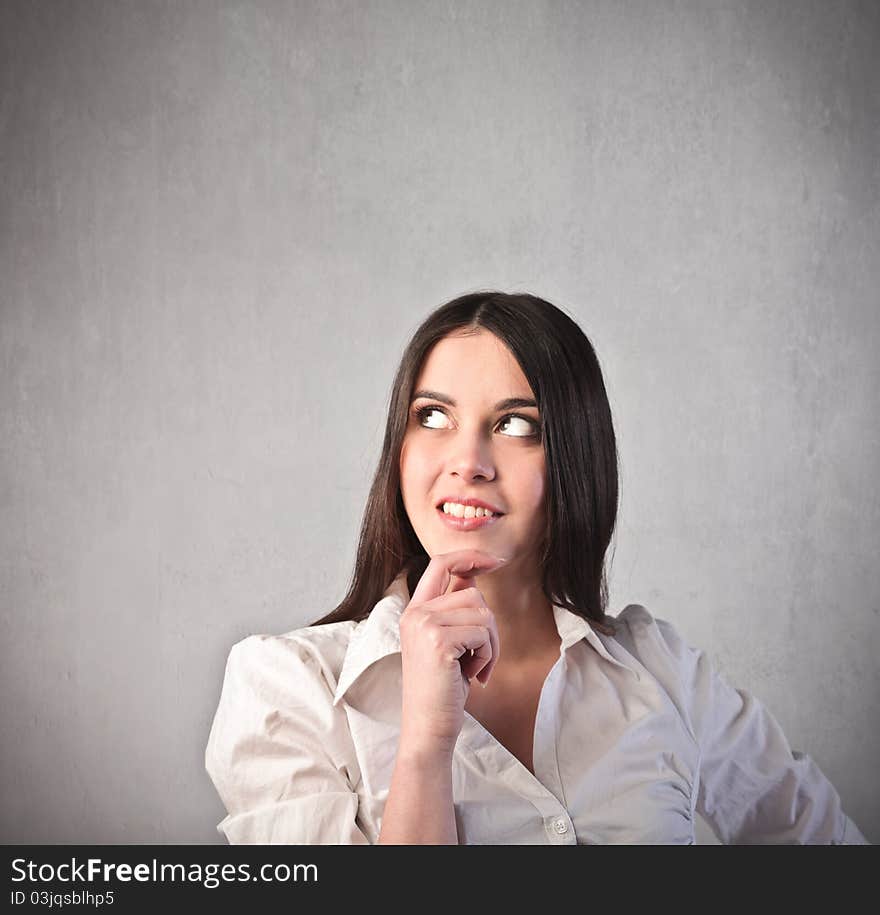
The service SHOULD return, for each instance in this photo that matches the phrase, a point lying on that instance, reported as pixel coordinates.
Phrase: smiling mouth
(467, 524)
(467, 511)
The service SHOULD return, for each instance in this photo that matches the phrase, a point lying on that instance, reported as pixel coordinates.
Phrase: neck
(524, 616)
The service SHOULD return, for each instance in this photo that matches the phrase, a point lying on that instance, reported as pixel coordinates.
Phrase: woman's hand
(438, 628)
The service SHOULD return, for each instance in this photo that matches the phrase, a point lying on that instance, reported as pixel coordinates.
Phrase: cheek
(412, 465)
(537, 483)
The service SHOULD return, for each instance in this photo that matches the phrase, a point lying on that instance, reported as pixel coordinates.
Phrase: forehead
(472, 364)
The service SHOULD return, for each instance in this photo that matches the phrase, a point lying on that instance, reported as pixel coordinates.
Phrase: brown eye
(522, 423)
(426, 411)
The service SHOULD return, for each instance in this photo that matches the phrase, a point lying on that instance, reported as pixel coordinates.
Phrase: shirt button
(560, 826)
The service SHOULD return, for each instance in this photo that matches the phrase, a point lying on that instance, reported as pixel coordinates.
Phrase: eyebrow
(506, 404)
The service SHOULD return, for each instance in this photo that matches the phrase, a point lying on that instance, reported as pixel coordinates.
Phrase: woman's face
(459, 444)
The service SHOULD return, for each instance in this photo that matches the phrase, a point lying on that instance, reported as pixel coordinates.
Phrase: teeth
(465, 511)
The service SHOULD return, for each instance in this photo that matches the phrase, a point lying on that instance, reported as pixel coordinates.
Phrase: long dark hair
(580, 451)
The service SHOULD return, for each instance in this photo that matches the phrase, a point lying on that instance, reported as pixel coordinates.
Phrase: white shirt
(634, 734)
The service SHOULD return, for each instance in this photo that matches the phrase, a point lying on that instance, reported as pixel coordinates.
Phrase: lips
(467, 524)
(476, 503)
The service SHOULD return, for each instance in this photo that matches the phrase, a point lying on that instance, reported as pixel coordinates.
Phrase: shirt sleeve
(276, 751)
(754, 789)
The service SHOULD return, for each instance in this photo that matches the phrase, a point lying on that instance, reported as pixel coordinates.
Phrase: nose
(471, 457)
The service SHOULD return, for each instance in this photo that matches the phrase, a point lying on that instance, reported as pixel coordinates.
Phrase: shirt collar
(375, 637)
(378, 635)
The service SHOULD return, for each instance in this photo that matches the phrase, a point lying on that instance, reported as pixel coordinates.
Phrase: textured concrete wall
(219, 224)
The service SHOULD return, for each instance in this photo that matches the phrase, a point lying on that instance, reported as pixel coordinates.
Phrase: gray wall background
(219, 225)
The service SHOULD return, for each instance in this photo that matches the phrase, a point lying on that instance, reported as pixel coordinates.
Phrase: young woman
(470, 688)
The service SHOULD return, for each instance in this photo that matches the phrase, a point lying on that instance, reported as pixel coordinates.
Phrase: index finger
(457, 567)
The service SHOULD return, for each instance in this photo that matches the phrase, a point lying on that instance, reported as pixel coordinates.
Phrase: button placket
(545, 747)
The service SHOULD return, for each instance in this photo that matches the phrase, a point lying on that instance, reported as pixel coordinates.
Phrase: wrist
(425, 754)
